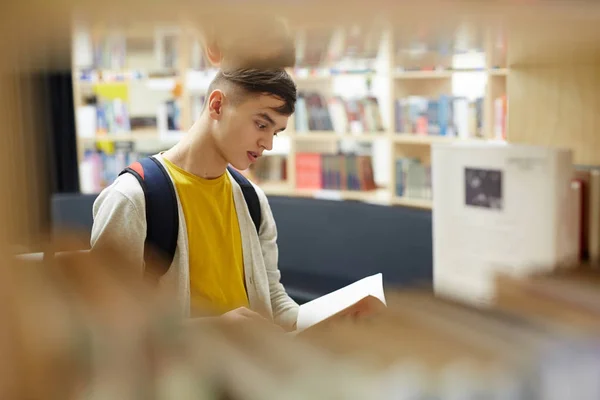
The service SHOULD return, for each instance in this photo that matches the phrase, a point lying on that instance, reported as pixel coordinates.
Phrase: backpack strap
(249, 195)
(162, 214)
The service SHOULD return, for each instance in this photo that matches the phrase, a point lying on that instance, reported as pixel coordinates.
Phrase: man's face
(245, 130)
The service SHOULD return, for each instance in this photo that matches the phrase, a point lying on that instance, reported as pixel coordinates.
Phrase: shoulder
(125, 189)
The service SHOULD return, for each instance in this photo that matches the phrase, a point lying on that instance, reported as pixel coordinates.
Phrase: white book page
(325, 306)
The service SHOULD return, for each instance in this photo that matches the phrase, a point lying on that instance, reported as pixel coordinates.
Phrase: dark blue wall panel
(327, 244)
(323, 244)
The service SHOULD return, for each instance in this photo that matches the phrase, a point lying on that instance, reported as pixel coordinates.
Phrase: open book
(361, 296)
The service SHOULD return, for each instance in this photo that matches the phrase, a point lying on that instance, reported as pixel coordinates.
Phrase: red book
(309, 171)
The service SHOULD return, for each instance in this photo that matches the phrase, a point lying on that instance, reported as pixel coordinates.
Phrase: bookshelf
(376, 103)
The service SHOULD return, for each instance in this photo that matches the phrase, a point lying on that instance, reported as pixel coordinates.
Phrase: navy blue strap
(162, 214)
(249, 195)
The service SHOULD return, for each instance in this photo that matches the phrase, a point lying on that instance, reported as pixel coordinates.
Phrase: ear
(216, 100)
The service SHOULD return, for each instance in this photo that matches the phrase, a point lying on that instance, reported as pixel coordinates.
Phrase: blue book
(444, 115)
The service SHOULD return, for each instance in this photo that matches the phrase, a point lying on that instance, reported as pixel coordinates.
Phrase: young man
(221, 265)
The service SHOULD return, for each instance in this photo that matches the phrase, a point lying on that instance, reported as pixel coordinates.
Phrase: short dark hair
(248, 81)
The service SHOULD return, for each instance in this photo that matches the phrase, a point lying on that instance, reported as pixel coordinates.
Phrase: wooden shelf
(276, 188)
(400, 83)
(423, 74)
(498, 72)
(426, 140)
(320, 78)
(445, 74)
(379, 196)
(332, 136)
(416, 203)
(434, 74)
(311, 78)
(134, 136)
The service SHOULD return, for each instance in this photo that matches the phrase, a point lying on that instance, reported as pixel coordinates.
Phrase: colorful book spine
(413, 179)
(334, 172)
(441, 116)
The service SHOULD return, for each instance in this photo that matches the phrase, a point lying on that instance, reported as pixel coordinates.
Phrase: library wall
(7, 201)
(24, 210)
(557, 106)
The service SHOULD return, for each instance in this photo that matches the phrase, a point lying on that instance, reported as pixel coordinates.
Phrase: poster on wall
(483, 188)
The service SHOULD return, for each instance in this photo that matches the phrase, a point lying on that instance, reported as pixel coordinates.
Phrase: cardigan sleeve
(285, 310)
(119, 221)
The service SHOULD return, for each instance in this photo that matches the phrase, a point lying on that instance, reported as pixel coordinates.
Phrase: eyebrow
(267, 117)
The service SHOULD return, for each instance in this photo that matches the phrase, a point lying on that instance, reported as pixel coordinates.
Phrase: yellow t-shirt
(215, 244)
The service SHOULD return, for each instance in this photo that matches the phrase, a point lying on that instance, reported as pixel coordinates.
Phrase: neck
(197, 152)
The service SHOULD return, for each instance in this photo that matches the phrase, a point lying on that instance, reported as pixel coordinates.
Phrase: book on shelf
(356, 44)
(413, 179)
(166, 50)
(334, 172)
(115, 50)
(589, 179)
(87, 119)
(333, 72)
(109, 52)
(442, 116)
(316, 113)
(271, 168)
(101, 165)
(105, 112)
(105, 77)
(169, 116)
(143, 122)
(313, 47)
(312, 113)
(105, 117)
(338, 46)
(112, 117)
(594, 217)
(501, 208)
(578, 213)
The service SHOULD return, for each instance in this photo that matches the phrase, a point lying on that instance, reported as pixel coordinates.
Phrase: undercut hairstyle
(238, 84)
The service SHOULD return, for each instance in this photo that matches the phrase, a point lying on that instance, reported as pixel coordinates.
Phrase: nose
(266, 143)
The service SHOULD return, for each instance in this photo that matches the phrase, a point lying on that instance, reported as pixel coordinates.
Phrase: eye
(261, 126)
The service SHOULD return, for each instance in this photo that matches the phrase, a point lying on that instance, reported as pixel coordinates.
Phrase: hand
(365, 308)
(243, 314)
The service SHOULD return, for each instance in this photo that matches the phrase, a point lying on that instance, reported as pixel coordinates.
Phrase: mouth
(253, 156)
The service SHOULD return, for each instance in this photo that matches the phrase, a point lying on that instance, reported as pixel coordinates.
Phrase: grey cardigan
(119, 217)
